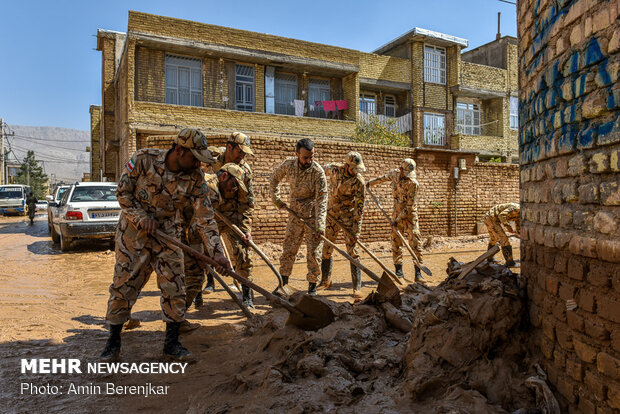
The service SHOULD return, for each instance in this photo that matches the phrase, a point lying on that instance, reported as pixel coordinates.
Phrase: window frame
(435, 73)
(462, 125)
(369, 101)
(387, 105)
(290, 107)
(436, 139)
(192, 68)
(320, 85)
(514, 113)
(247, 88)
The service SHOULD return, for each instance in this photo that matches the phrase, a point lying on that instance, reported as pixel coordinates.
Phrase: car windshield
(92, 193)
(6, 193)
(61, 191)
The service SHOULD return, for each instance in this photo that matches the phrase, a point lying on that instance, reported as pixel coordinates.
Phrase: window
(434, 64)
(514, 112)
(244, 88)
(183, 81)
(318, 91)
(389, 106)
(467, 118)
(368, 104)
(91, 193)
(434, 129)
(285, 93)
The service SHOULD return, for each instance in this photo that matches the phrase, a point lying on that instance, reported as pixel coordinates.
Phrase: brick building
(569, 54)
(165, 74)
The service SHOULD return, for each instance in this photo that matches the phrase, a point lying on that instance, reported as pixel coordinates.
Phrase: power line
(46, 139)
(43, 156)
(53, 146)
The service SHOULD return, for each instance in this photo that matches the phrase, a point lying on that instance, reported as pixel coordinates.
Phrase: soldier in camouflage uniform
(405, 214)
(346, 205)
(155, 188)
(497, 219)
(308, 199)
(226, 188)
(240, 212)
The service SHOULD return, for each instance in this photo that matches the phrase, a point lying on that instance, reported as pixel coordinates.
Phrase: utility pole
(2, 153)
(28, 173)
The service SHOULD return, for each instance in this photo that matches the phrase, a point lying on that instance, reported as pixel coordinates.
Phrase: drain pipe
(456, 185)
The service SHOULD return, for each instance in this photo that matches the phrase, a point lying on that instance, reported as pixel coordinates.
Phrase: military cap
(237, 172)
(242, 140)
(408, 167)
(354, 159)
(196, 142)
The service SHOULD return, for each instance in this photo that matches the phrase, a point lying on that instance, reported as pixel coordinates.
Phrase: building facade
(164, 74)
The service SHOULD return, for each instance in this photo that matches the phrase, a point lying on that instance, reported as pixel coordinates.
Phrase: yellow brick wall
(95, 143)
(385, 67)
(483, 77)
(259, 88)
(109, 157)
(150, 75)
(167, 26)
(435, 97)
(351, 90)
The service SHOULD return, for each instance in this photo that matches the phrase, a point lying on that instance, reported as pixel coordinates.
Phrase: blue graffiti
(593, 52)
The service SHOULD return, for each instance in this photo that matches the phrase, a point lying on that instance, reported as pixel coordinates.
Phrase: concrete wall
(570, 198)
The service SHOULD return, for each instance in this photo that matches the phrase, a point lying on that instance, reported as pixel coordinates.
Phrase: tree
(31, 173)
(376, 131)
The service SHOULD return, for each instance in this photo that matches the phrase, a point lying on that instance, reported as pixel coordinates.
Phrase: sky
(50, 72)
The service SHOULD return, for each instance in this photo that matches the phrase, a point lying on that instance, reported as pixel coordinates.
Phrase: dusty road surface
(53, 305)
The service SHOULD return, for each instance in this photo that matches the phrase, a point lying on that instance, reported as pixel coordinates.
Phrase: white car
(87, 210)
(52, 207)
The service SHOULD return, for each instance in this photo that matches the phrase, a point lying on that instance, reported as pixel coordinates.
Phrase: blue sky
(50, 71)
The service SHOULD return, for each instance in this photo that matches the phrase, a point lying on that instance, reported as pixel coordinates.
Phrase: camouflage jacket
(147, 189)
(223, 205)
(346, 195)
(405, 193)
(245, 204)
(308, 196)
(506, 213)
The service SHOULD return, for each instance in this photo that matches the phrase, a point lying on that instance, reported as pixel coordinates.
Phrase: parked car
(13, 199)
(42, 205)
(87, 210)
(52, 207)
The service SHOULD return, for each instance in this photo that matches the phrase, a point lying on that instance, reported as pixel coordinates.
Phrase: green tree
(376, 132)
(31, 171)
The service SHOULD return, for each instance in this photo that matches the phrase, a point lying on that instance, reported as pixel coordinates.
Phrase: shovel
(400, 236)
(280, 289)
(309, 314)
(386, 285)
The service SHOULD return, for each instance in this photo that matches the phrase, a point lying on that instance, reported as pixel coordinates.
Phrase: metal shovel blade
(387, 289)
(315, 314)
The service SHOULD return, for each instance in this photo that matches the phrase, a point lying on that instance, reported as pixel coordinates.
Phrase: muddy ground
(53, 305)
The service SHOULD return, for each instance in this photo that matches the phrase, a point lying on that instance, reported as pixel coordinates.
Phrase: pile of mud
(465, 353)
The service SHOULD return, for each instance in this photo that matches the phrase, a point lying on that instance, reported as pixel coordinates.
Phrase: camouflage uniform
(405, 213)
(148, 190)
(308, 199)
(498, 217)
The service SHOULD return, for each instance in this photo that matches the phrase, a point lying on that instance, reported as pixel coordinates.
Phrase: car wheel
(54, 235)
(65, 243)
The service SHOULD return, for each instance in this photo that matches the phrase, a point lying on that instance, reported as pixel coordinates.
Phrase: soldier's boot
(418, 275)
(112, 350)
(247, 296)
(356, 278)
(507, 252)
(172, 346)
(312, 288)
(198, 301)
(284, 283)
(399, 271)
(492, 258)
(187, 326)
(326, 273)
(210, 288)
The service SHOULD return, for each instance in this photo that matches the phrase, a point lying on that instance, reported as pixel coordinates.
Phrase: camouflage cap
(408, 167)
(196, 142)
(354, 159)
(237, 172)
(242, 140)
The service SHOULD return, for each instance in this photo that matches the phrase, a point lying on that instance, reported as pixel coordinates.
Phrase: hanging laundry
(299, 107)
(317, 104)
(343, 104)
(329, 105)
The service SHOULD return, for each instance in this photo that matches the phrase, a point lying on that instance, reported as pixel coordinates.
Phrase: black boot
(492, 258)
(198, 302)
(312, 289)
(112, 350)
(507, 252)
(356, 278)
(210, 288)
(418, 275)
(326, 273)
(172, 346)
(399, 271)
(247, 296)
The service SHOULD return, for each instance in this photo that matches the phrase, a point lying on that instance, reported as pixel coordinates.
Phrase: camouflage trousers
(409, 228)
(137, 255)
(194, 274)
(296, 232)
(496, 231)
(332, 231)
